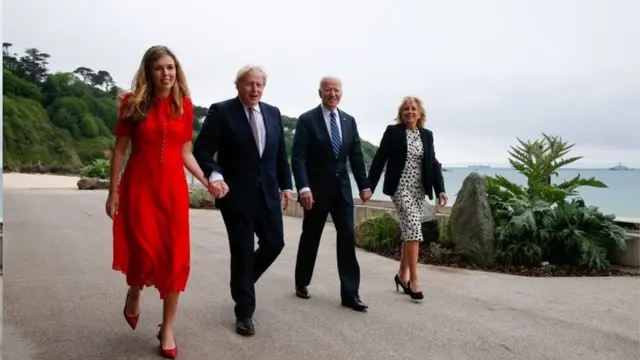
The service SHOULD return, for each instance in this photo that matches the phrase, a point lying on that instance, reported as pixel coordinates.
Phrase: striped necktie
(335, 135)
(254, 127)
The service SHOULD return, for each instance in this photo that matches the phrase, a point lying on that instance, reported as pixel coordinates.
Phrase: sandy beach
(38, 181)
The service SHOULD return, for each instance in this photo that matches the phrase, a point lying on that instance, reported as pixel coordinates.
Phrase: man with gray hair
(251, 180)
(325, 138)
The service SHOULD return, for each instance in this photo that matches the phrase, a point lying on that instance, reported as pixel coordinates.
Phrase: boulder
(471, 224)
(93, 184)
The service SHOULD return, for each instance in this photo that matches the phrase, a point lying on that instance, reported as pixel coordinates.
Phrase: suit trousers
(247, 263)
(312, 228)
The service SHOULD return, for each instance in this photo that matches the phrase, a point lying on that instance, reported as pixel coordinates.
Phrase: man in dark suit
(325, 138)
(250, 178)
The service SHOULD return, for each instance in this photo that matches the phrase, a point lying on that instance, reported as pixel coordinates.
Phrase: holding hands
(365, 195)
(218, 188)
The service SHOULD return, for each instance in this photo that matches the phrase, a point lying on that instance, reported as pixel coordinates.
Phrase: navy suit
(252, 204)
(315, 166)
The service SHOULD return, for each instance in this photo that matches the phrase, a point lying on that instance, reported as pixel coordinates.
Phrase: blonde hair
(141, 98)
(250, 68)
(423, 114)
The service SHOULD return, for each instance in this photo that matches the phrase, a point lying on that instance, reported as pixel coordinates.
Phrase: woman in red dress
(149, 204)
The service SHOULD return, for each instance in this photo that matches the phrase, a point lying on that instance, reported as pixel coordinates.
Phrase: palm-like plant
(539, 160)
(538, 222)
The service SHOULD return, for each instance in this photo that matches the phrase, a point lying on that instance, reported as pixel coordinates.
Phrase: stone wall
(373, 208)
(631, 257)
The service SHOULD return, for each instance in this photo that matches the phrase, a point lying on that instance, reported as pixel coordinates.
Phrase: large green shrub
(98, 169)
(380, 233)
(549, 222)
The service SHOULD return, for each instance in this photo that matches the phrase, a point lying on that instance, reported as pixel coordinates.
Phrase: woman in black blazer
(412, 172)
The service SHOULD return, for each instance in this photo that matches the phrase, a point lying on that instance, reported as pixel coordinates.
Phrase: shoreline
(17, 180)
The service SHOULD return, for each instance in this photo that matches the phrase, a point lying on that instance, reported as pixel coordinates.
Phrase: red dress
(151, 240)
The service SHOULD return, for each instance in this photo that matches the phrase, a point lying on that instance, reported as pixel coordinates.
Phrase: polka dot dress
(409, 199)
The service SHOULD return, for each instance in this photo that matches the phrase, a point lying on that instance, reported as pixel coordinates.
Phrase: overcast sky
(488, 71)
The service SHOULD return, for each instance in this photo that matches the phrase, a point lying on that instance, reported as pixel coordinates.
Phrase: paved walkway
(62, 301)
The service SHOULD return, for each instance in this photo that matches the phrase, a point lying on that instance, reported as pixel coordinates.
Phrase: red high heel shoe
(131, 320)
(166, 353)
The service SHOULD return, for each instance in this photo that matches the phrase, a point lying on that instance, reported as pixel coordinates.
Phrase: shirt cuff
(304, 190)
(215, 176)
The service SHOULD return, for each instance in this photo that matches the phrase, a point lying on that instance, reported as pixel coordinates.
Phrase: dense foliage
(544, 221)
(380, 233)
(65, 120)
(61, 119)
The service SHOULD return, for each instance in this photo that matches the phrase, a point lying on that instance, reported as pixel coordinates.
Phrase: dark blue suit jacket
(314, 164)
(226, 133)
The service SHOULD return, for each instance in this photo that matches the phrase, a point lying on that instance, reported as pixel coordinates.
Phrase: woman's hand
(204, 182)
(443, 198)
(111, 206)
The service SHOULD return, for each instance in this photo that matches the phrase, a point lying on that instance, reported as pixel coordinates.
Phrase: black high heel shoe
(399, 284)
(414, 295)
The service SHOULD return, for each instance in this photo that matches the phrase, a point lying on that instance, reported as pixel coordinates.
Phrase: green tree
(33, 65)
(9, 60)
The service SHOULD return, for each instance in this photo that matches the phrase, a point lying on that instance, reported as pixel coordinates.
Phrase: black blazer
(315, 166)
(226, 133)
(393, 152)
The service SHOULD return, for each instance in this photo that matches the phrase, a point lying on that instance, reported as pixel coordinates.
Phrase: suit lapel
(322, 128)
(242, 125)
(238, 113)
(425, 145)
(403, 133)
(267, 122)
(342, 122)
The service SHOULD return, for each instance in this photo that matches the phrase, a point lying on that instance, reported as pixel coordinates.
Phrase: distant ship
(480, 166)
(619, 167)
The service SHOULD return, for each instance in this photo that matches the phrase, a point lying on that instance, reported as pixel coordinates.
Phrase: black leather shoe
(354, 303)
(245, 327)
(302, 292)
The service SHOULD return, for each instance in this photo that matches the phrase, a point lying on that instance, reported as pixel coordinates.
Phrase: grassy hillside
(65, 120)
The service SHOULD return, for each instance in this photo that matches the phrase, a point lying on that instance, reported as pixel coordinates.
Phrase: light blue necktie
(335, 135)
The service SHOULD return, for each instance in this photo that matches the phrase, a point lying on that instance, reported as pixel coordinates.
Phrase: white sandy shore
(35, 181)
